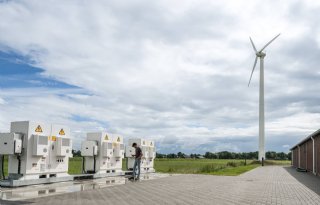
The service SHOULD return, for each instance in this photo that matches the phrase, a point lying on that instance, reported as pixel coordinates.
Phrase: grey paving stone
(263, 185)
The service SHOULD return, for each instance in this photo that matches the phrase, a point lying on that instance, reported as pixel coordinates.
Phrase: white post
(261, 109)
(314, 157)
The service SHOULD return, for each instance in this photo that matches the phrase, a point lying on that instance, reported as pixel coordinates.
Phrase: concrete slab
(43, 190)
(27, 182)
(263, 185)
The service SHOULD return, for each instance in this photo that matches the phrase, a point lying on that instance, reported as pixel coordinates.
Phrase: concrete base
(26, 182)
(112, 174)
(26, 194)
(147, 170)
(101, 175)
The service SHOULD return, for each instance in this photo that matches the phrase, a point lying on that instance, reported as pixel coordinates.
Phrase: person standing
(137, 161)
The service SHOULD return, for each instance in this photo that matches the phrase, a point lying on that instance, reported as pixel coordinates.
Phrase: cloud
(175, 72)
(2, 101)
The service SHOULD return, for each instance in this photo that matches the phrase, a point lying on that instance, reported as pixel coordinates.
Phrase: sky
(173, 71)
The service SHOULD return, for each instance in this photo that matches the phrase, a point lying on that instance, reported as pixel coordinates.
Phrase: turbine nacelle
(260, 54)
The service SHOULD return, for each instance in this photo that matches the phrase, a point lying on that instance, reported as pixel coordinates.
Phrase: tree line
(218, 155)
(271, 155)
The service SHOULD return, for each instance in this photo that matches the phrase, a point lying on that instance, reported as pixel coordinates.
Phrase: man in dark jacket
(137, 161)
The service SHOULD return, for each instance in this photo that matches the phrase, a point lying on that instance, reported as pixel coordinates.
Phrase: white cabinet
(40, 145)
(89, 148)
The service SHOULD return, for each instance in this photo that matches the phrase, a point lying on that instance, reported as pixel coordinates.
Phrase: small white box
(17, 146)
(63, 146)
(107, 149)
(130, 151)
(10, 143)
(40, 145)
(89, 148)
(119, 150)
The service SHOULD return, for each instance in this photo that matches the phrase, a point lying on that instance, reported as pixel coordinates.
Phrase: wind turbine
(260, 54)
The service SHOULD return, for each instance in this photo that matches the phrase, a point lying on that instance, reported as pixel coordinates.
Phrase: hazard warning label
(118, 140)
(38, 129)
(61, 132)
(106, 137)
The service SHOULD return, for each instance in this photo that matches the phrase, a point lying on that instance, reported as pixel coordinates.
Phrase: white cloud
(167, 69)
(2, 101)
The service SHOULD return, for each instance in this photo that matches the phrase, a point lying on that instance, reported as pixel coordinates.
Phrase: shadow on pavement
(306, 178)
(4, 202)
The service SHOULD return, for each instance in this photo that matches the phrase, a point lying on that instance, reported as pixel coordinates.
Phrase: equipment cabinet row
(39, 150)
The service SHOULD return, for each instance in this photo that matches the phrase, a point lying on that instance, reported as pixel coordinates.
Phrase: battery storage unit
(103, 154)
(148, 154)
(37, 153)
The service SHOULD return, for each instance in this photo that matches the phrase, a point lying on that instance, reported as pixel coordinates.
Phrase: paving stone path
(263, 185)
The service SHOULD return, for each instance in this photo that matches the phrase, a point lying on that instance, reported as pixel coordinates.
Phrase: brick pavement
(263, 185)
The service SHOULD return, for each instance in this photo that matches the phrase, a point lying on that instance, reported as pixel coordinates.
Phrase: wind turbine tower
(260, 54)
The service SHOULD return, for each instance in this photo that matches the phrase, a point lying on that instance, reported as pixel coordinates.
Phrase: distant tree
(181, 155)
(271, 155)
(158, 155)
(76, 153)
(289, 156)
(281, 156)
(172, 155)
(210, 155)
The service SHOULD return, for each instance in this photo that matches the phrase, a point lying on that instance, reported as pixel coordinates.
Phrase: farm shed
(306, 154)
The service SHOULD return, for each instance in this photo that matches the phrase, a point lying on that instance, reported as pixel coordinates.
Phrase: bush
(210, 168)
(232, 164)
(170, 169)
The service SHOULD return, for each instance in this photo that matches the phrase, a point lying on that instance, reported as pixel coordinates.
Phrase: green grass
(234, 171)
(227, 167)
(189, 166)
(75, 165)
(203, 166)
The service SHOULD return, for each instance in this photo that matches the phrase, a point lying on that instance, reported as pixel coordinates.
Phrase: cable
(2, 167)
(83, 164)
(94, 164)
(19, 164)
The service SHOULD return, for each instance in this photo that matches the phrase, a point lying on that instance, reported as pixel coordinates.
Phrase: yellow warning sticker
(38, 129)
(106, 137)
(61, 132)
(118, 140)
(53, 138)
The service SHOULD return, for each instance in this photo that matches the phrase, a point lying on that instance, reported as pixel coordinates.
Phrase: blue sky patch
(16, 72)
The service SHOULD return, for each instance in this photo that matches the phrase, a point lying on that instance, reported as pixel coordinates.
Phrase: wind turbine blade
(270, 42)
(254, 48)
(254, 65)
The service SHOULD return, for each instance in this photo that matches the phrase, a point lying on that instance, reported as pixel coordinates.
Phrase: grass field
(227, 167)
